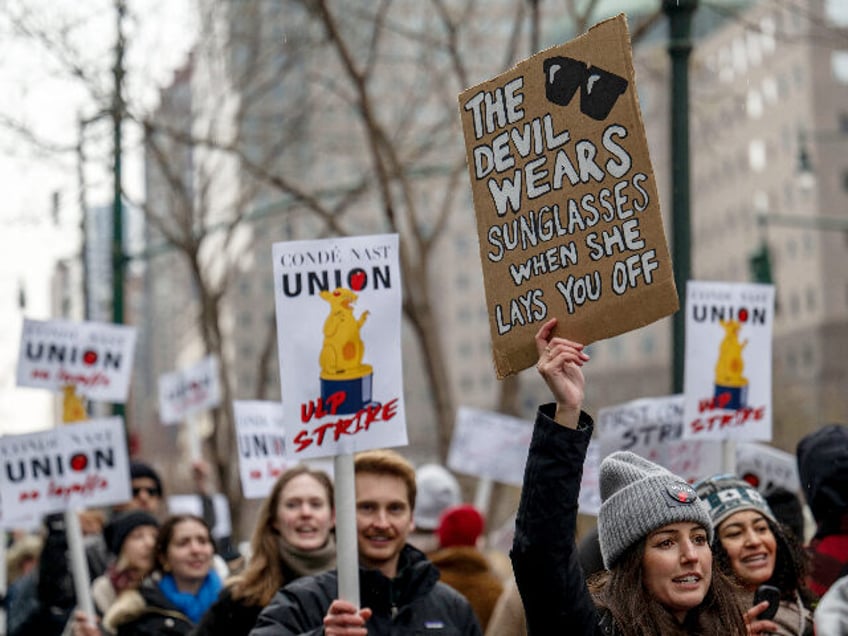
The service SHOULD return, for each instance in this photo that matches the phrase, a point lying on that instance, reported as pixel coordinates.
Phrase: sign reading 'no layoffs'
(95, 358)
(188, 391)
(261, 442)
(79, 466)
(568, 214)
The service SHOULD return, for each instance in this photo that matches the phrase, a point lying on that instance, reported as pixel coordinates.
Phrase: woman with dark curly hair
(293, 538)
(752, 547)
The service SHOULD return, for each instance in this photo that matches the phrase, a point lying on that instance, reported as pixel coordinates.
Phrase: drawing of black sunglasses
(599, 89)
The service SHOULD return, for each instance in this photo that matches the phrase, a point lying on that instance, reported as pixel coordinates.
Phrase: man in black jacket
(399, 588)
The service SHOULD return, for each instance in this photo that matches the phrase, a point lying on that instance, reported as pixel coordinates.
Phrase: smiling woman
(181, 588)
(293, 538)
(751, 547)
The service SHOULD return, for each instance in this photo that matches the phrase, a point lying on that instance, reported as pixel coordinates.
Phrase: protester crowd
(666, 556)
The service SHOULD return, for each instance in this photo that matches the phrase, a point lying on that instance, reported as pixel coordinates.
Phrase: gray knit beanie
(639, 496)
(727, 494)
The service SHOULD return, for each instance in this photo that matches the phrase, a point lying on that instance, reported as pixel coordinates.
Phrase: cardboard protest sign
(189, 391)
(727, 370)
(568, 214)
(653, 428)
(338, 305)
(80, 466)
(261, 445)
(765, 466)
(94, 357)
(490, 445)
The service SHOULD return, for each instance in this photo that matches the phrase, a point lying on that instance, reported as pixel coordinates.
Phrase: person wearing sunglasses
(56, 596)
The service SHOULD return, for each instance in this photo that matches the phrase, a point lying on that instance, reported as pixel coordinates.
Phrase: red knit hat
(460, 525)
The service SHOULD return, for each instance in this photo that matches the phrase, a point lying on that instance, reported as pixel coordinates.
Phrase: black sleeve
(544, 556)
(56, 593)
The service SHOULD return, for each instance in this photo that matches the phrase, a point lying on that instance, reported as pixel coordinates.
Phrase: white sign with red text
(727, 371)
(96, 358)
(189, 391)
(653, 428)
(490, 445)
(338, 331)
(74, 466)
(261, 445)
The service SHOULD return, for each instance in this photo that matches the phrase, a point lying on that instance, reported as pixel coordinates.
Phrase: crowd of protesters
(666, 557)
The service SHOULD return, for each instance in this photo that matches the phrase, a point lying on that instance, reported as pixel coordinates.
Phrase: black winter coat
(544, 555)
(227, 616)
(414, 602)
(146, 612)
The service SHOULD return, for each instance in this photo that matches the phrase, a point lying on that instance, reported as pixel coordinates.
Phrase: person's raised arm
(560, 363)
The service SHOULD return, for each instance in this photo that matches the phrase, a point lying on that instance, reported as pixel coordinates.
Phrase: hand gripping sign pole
(74, 411)
(347, 559)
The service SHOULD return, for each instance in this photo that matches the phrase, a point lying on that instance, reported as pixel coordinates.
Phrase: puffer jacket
(414, 602)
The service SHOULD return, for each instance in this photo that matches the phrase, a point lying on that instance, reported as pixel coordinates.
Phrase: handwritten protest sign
(186, 392)
(727, 370)
(490, 445)
(261, 445)
(79, 466)
(94, 357)
(568, 214)
(765, 466)
(338, 305)
(653, 428)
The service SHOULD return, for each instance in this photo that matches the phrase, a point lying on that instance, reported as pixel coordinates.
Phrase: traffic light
(760, 265)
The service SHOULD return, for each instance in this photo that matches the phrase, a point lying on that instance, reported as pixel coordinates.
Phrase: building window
(839, 66)
(811, 299)
(757, 155)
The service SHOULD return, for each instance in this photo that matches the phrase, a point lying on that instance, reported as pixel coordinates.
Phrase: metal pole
(117, 204)
(679, 14)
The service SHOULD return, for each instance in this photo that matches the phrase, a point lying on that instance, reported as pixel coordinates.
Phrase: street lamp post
(118, 259)
(680, 14)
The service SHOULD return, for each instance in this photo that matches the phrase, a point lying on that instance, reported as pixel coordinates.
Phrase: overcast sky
(36, 92)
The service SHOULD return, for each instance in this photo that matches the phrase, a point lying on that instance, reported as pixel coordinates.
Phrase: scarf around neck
(192, 605)
(307, 563)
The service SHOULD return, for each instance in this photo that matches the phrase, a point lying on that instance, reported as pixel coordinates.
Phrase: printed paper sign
(490, 445)
(338, 331)
(261, 445)
(568, 213)
(94, 357)
(766, 466)
(193, 390)
(653, 428)
(589, 501)
(727, 371)
(74, 466)
(193, 505)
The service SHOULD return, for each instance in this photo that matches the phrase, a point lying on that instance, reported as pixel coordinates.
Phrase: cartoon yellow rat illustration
(343, 349)
(729, 367)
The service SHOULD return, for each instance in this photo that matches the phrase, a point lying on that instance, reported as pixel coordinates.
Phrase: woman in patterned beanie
(654, 532)
(752, 548)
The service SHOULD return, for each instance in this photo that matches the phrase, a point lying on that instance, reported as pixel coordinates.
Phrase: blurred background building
(284, 132)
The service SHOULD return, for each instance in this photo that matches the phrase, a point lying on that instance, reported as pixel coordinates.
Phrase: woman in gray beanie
(654, 532)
